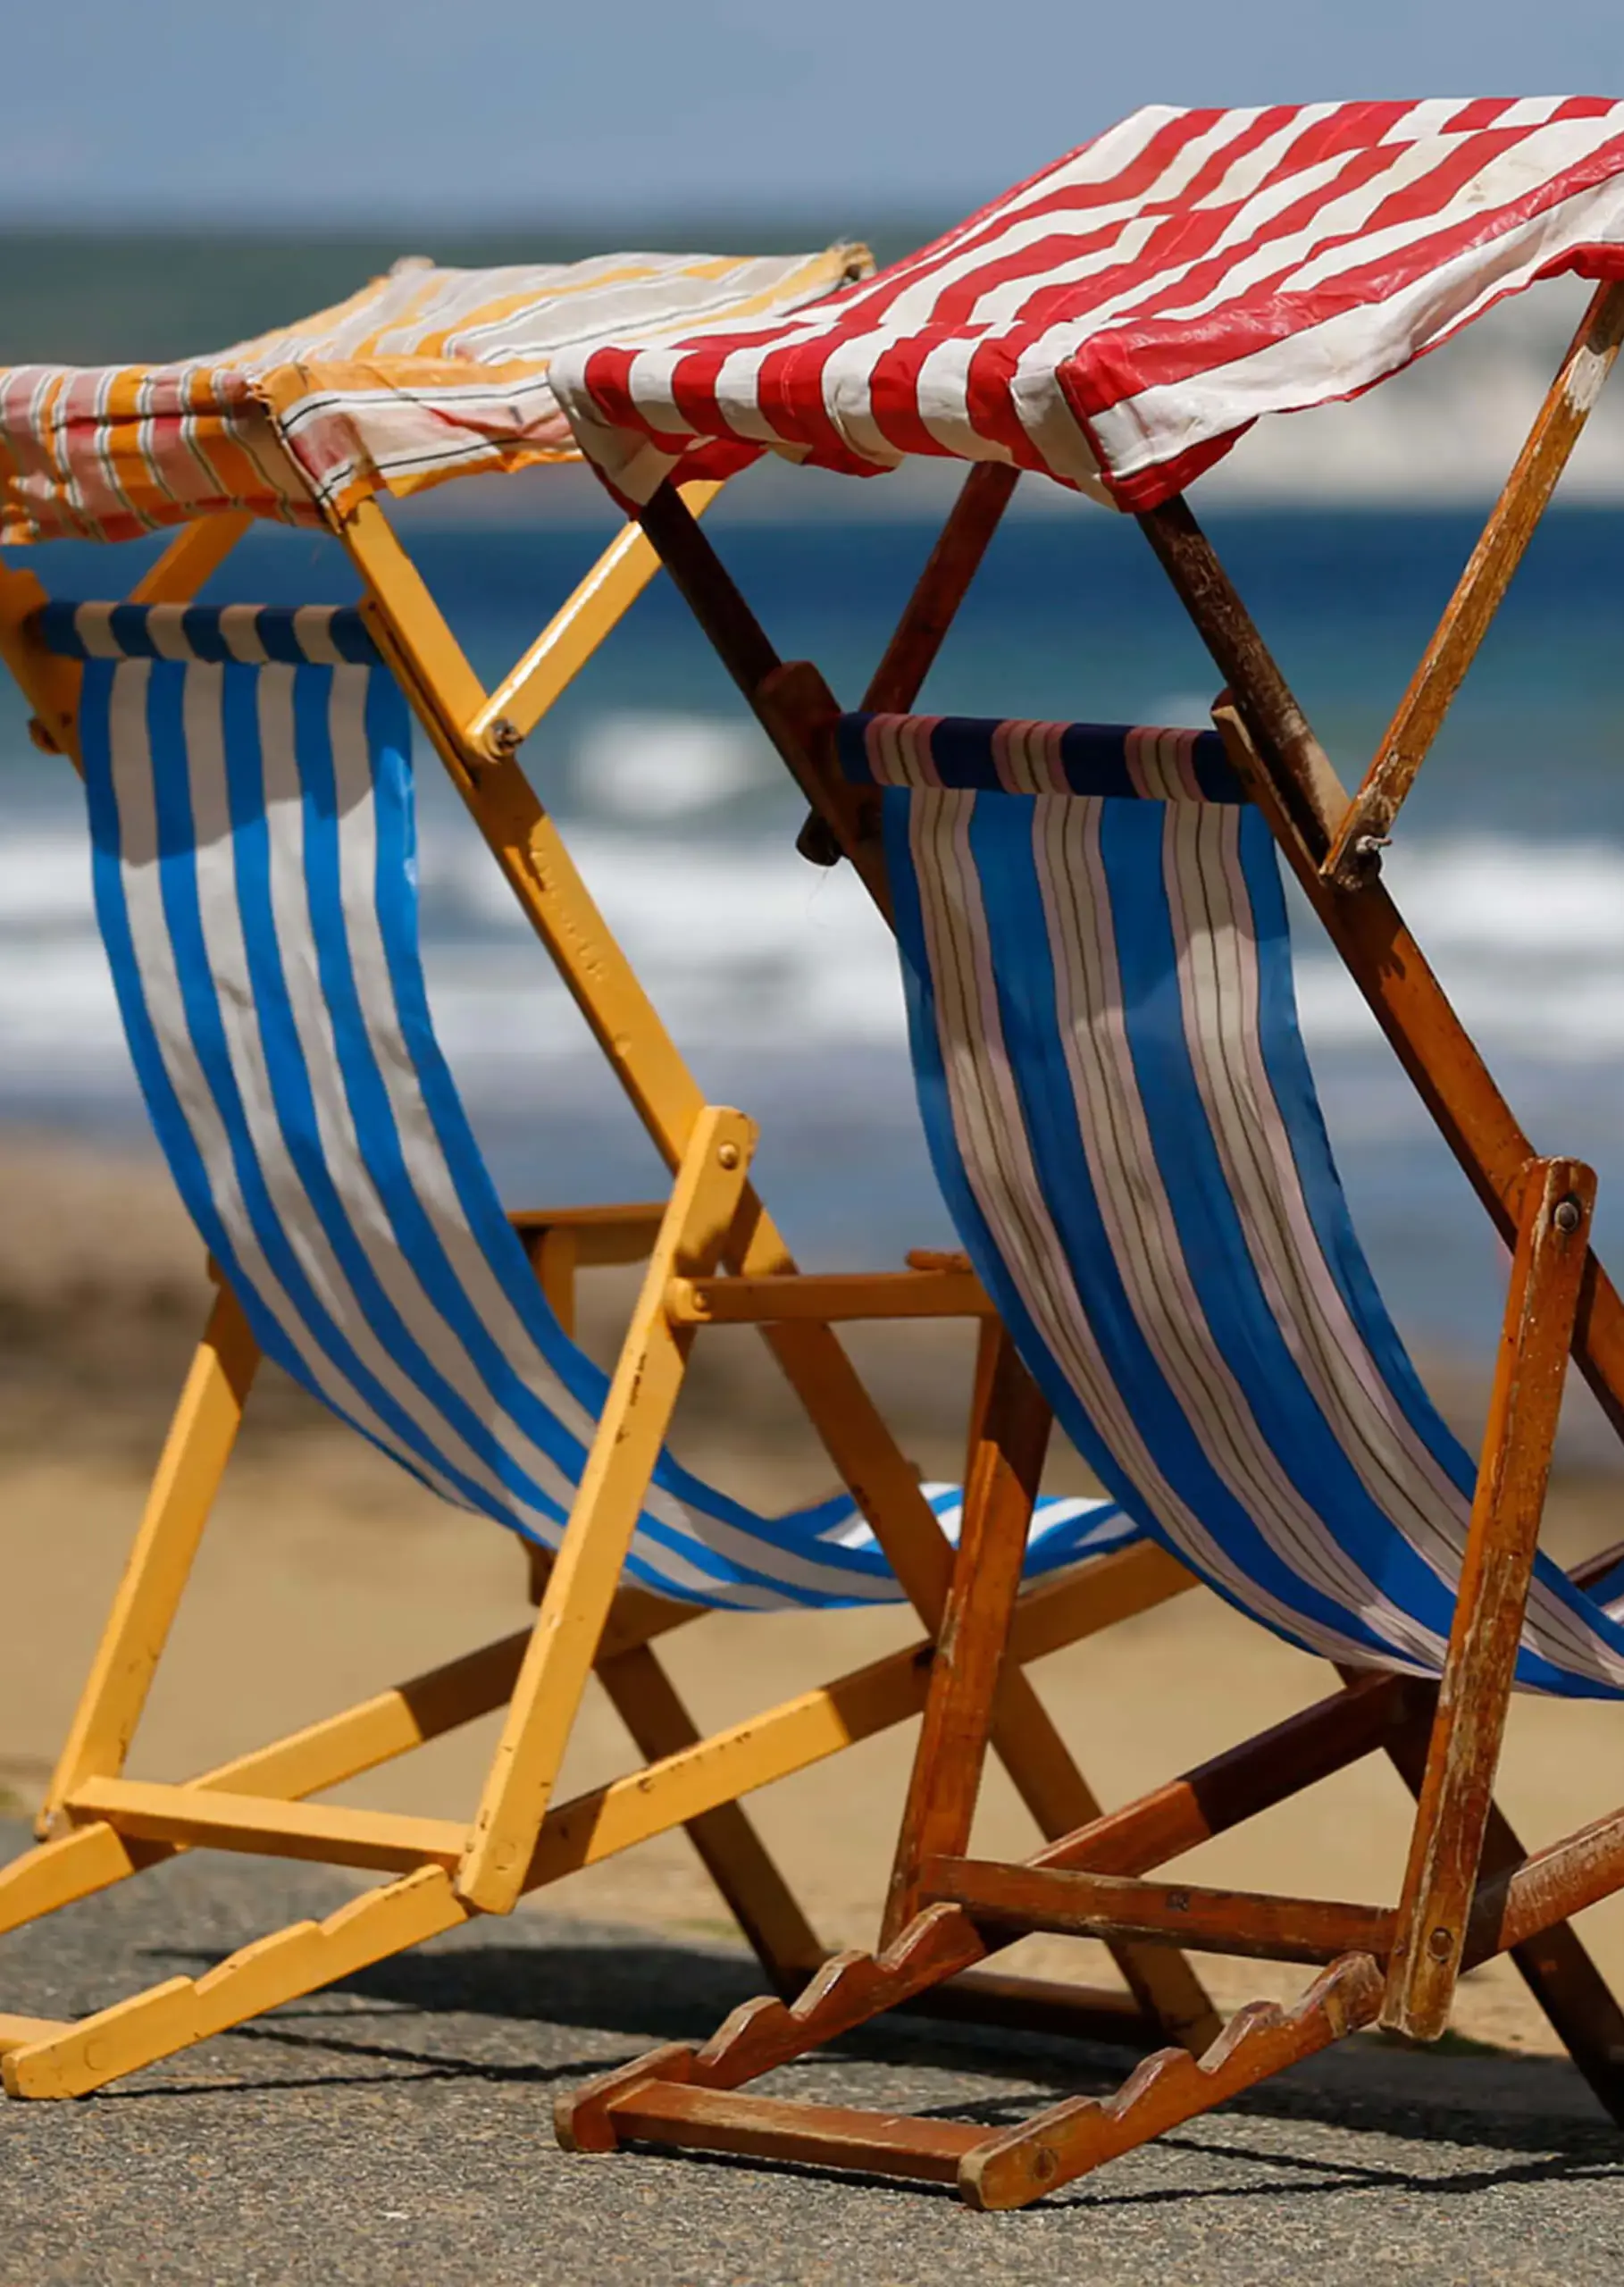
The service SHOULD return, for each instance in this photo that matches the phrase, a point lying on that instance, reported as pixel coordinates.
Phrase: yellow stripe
(122, 470)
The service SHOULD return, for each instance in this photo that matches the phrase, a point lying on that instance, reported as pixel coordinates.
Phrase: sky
(346, 111)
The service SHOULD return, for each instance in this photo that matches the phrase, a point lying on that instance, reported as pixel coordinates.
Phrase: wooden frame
(1469, 1889)
(98, 1827)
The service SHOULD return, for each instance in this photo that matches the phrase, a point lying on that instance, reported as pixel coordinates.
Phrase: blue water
(1510, 860)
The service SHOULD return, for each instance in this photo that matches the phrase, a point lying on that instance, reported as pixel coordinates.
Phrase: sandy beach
(327, 1574)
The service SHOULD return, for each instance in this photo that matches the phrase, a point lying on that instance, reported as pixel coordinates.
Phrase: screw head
(727, 1155)
(1567, 1215)
(503, 738)
(1440, 1945)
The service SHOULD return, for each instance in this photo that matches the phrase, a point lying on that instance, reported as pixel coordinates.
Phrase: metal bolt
(727, 1155)
(1440, 1945)
(1568, 1215)
(503, 738)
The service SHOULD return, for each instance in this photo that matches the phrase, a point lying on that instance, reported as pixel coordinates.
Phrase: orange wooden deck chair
(1094, 943)
(249, 781)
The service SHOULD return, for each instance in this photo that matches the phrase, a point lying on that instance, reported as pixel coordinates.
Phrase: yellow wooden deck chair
(249, 783)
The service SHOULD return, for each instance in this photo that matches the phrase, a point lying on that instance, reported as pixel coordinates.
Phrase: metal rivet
(1568, 1215)
(503, 738)
(1440, 1945)
(727, 1155)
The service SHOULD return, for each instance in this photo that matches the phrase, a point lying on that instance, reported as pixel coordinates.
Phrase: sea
(777, 981)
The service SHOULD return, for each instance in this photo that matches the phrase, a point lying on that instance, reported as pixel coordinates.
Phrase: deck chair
(250, 787)
(1094, 945)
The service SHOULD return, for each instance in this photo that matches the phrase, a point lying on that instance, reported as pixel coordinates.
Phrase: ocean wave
(742, 944)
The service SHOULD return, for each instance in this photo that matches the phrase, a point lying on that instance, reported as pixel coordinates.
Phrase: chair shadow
(640, 1990)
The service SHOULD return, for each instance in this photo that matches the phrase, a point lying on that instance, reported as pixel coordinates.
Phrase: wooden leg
(195, 1454)
(552, 1257)
(73, 2059)
(1452, 1813)
(1000, 1489)
(586, 1572)
(732, 1852)
(1576, 1999)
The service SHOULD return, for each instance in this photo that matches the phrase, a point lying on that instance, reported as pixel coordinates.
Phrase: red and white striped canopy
(1120, 320)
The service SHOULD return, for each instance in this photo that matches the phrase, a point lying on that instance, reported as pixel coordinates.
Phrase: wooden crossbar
(387, 1841)
(829, 1296)
(1108, 1905)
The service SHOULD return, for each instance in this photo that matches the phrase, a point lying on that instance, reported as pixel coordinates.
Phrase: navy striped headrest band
(253, 635)
(1021, 757)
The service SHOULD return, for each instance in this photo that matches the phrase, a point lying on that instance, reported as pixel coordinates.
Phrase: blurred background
(233, 171)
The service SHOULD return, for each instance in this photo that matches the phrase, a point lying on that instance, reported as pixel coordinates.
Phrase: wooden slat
(1248, 1922)
(1040, 2004)
(201, 1437)
(1548, 1886)
(580, 1593)
(763, 2128)
(22, 2032)
(71, 2060)
(602, 1235)
(930, 611)
(215, 1820)
(191, 559)
(1369, 817)
(50, 685)
(827, 1296)
(952, 1753)
(576, 628)
(729, 1848)
(1020, 2164)
(1553, 1963)
(1451, 1814)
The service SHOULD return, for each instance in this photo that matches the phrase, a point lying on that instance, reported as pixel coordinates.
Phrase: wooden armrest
(598, 1235)
(827, 1296)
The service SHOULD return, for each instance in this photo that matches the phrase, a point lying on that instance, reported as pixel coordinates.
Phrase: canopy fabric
(251, 807)
(1123, 1121)
(1118, 321)
(423, 375)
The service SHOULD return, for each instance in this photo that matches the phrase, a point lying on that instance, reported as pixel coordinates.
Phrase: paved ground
(397, 2130)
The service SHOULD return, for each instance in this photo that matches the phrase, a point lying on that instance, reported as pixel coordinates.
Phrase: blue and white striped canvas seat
(251, 804)
(1121, 1113)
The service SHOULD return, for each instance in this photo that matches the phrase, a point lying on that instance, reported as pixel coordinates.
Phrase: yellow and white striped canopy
(424, 376)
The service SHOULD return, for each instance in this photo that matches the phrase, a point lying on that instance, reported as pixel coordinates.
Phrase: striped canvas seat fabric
(423, 375)
(1122, 1117)
(250, 790)
(1119, 320)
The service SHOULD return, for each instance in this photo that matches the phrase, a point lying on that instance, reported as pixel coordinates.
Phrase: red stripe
(1182, 257)
(1112, 366)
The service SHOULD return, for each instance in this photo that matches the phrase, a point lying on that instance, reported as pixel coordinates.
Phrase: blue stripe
(1245, 1330)
(1286, 1061)
(1093, 756)
(407, 1429)
(1002, 846)
(180, 892)
(201, 629)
